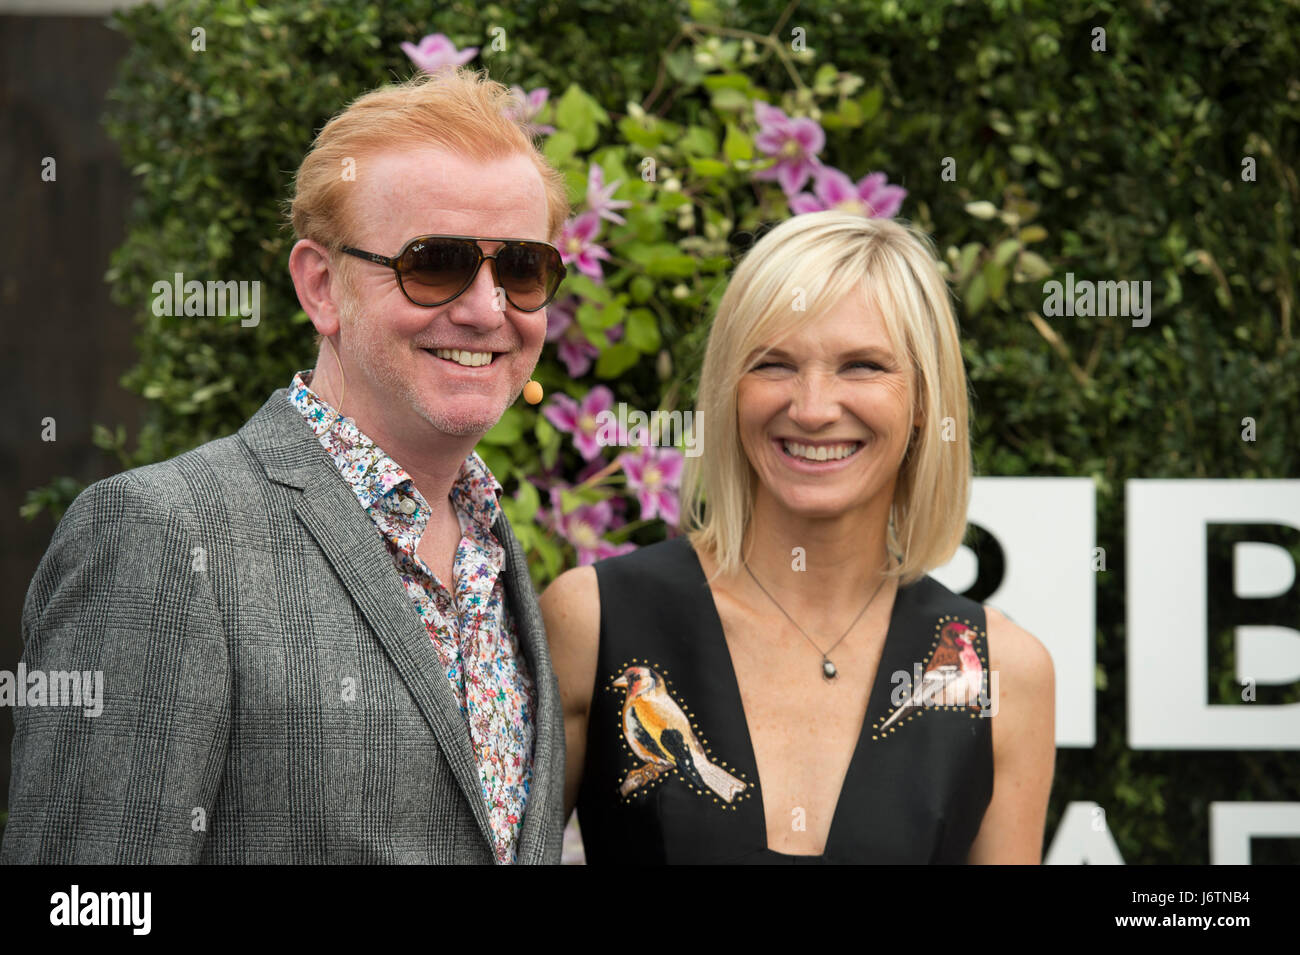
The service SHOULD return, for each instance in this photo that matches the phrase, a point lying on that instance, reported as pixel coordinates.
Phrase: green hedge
(1116, 165)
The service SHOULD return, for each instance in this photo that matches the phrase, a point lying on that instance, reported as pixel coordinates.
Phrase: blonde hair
(459, 110)
(827, 255)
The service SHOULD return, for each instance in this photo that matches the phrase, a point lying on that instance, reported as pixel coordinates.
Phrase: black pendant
(828, 669)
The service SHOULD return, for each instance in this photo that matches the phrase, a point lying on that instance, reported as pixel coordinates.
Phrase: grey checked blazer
(225, 735)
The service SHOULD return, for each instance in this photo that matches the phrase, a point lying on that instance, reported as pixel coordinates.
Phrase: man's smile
(464, 357)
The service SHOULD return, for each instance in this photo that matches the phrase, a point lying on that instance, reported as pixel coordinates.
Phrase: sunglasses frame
(474, 240)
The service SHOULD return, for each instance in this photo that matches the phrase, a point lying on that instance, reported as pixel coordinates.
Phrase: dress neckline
(879, 690)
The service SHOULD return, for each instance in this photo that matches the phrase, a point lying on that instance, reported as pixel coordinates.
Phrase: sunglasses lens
(435, 270)
(530, 273)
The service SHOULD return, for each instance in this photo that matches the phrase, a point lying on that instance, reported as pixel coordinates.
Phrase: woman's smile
(816, 457)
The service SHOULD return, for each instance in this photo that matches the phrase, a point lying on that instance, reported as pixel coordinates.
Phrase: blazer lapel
(535, 836)
(329, 510)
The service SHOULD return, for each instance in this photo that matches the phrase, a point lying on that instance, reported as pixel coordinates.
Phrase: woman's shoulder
(1018, 654)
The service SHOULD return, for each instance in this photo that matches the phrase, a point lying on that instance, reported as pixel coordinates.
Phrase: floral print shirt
(469, 623)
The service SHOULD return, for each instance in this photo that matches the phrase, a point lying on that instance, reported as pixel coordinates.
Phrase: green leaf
(548, 551)
(848, 116)
(611, 314)
(497, 460)
(1034, 266)
(730, 101)
(737, 145)
(584, 288)
(579, 114)
(966, 260)
(573, 498)
(976, 295)
(1022, 154)
(870, 102)
(642, 288)
(982, 209)
(207, 392)
(673, 266)
(616, 359)
(102, 438)
(593, 326)
(636, 134)
(699, 141)
(995, 280)
(824, 78)
(506, 431)
(682, 67)
(528, 501)
(642, 330)
(560, 147)
(727, 81)
(710, 168)
(1006, 251)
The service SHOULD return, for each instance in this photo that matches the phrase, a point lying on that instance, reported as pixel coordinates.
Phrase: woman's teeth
(471, 359)
(824, 452)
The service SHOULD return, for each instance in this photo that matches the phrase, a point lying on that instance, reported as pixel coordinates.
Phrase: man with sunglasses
(319, 638)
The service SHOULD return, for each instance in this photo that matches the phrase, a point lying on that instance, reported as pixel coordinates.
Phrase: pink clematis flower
(436, 52)
(579, 419)
(598, 196)
(871, 197)
(578, 245)
(528, 105)
(583, 526)
(655, 474)
(574, 348)
(794, 142)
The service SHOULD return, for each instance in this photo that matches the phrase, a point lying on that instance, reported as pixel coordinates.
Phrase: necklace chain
(828, 668)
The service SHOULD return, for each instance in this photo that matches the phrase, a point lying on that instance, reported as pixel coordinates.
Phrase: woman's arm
(571, 610)
(1024, 747)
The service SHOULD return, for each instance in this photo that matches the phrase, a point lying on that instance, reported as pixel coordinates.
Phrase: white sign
(1168, 671)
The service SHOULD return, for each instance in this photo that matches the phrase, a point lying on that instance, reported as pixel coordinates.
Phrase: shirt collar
(369, 470)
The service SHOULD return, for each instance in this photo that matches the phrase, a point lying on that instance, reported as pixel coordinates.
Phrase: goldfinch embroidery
(659, 733)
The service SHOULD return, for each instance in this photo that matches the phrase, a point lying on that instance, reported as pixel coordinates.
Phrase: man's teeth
(825, 452)
(471, 359)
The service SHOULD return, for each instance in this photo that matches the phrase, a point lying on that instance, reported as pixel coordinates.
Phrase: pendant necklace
(828, 668)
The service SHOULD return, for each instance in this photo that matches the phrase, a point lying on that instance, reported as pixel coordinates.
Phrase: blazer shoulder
(192, 488)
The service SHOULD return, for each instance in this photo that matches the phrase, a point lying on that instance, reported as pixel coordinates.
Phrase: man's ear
(316, 284)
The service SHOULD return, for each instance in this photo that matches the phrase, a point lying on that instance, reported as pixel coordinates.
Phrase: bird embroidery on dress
(952, 677)
(660, 735)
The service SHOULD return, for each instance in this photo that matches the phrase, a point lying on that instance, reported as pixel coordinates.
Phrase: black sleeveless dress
(670, 777)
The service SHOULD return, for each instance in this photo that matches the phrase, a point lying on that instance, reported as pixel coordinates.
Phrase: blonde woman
(784, 683)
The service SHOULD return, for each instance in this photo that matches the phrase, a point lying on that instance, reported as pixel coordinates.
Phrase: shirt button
(407, 506)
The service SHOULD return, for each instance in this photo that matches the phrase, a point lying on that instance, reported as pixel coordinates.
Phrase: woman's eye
(768, 364)
(866, 364)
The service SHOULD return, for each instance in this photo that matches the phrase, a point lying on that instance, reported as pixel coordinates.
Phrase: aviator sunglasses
(434, 269)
